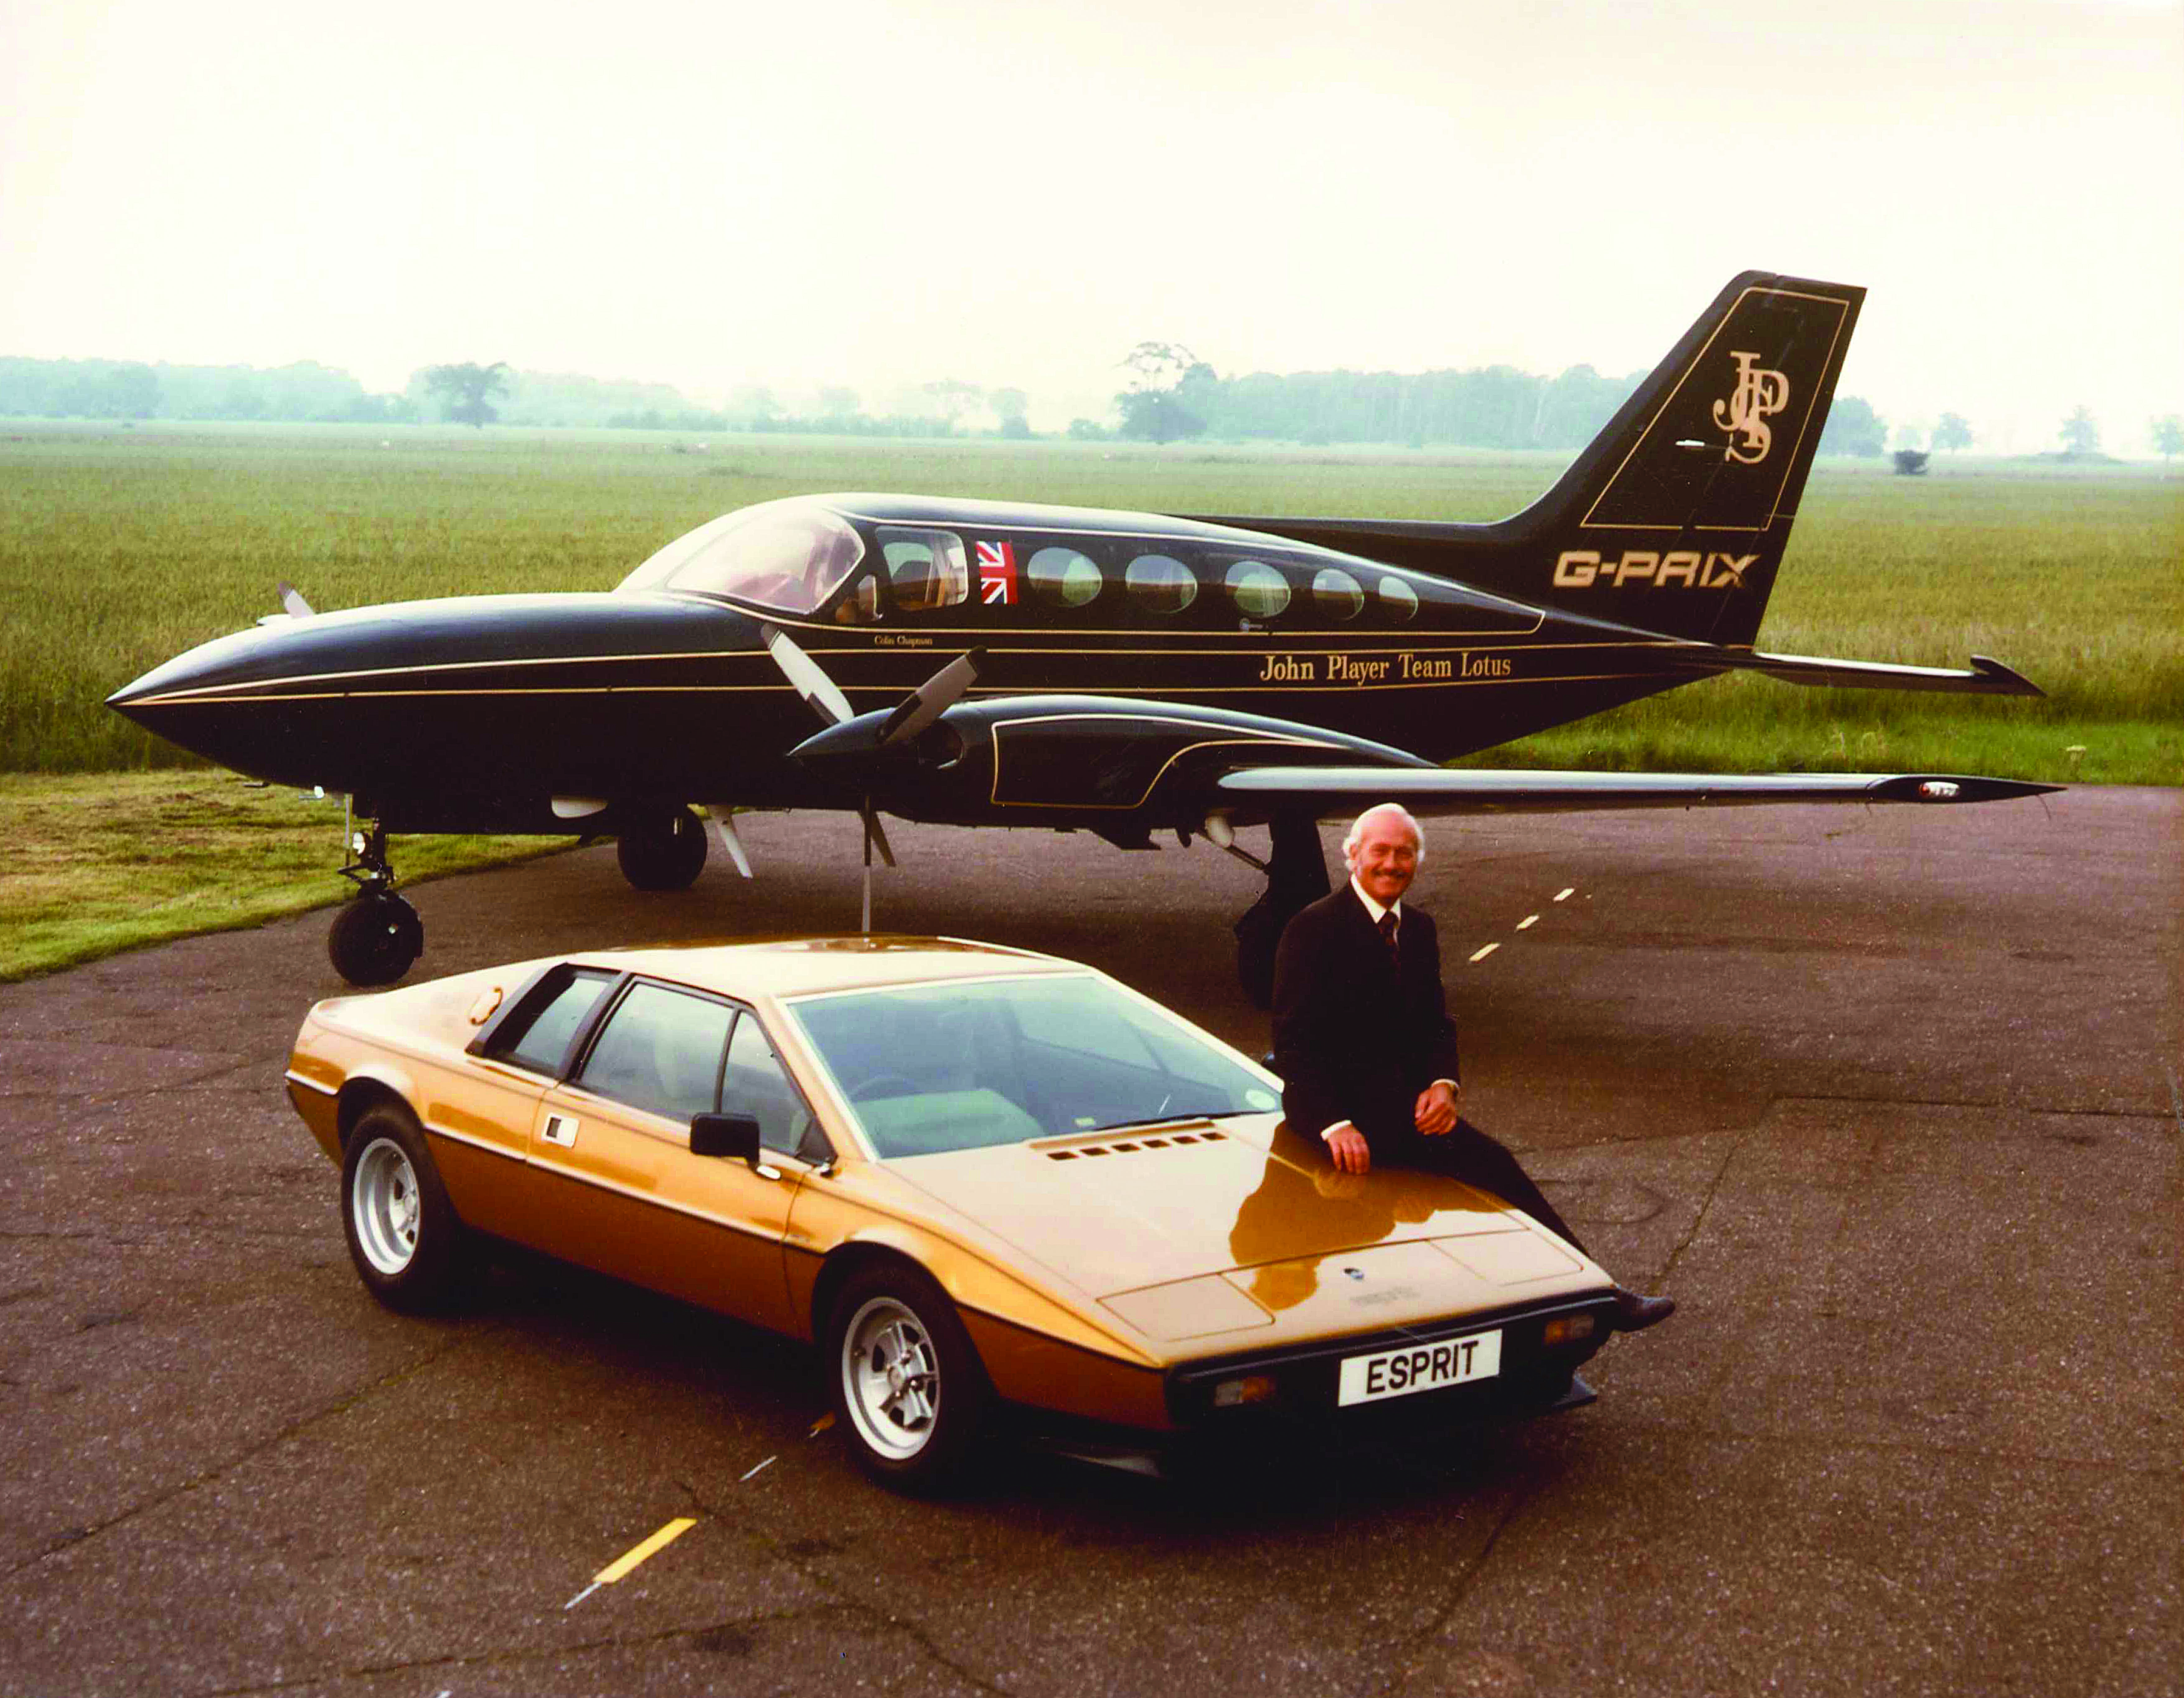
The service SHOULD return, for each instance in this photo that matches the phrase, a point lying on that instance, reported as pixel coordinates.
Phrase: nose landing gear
(376, 936)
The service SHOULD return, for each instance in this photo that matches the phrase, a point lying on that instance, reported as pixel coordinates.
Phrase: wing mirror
(732, 1135)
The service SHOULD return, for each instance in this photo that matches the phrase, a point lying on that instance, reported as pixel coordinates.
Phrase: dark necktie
(1388, 936)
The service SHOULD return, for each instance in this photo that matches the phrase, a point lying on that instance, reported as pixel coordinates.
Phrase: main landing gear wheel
(1296, 878)
(907, 1385)
(662, 851)
(411, 1251)
(376, 937)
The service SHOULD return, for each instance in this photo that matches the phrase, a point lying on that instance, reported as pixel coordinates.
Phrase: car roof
(798, 966)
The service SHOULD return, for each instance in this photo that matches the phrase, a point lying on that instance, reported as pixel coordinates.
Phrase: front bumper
(1533, 1374)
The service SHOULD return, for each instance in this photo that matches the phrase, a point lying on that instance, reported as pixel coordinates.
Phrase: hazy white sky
(876, 194)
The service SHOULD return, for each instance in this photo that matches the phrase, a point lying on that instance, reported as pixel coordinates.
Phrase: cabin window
(1063, 577)
(1257, 590)
(926, 569)
(789, 556)
(1160, 584)
(661, 1051)
(1398, 600)
(1335, 594)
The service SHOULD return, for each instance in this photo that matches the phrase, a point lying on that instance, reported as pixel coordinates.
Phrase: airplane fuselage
(475, 712)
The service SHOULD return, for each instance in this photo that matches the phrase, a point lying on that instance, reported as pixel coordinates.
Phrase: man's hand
(1347, 1145)
(1435, 1112)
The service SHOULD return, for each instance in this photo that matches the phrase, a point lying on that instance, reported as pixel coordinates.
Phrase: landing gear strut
(376, 936)
(1296, 877)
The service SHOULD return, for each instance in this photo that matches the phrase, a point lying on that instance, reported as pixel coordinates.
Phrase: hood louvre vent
(1132, 1146)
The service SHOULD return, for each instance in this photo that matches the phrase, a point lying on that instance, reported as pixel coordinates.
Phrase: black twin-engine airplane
(985, 664)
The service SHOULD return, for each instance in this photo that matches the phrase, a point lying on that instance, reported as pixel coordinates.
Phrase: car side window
(537, 1035)
(756, 1084)
(661, 1051)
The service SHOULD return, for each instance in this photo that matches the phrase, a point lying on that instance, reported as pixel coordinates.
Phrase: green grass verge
(94, 865)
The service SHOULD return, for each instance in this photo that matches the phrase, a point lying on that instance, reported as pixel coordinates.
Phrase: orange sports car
(982, 1179)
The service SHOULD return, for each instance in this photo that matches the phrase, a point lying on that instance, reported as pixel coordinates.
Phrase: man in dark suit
(1366, 1049)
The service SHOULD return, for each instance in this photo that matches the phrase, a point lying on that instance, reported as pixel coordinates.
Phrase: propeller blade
(803, 671)
(931, 699)
(291, 600)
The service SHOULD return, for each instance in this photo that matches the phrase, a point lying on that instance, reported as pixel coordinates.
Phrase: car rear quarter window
(537, 1034)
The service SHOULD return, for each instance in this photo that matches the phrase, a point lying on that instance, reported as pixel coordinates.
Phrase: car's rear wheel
(908, 1387)
(409, 1249)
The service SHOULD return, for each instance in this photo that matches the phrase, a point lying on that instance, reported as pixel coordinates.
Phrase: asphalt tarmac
(1888, 1100)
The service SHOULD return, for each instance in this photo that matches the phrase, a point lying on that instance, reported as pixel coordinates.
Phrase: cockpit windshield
(789, 556)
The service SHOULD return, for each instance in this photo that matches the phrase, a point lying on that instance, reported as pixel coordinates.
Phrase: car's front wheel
(409, 1248)
(908, 1387)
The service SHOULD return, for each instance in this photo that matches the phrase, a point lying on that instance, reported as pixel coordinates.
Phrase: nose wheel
(376, 936)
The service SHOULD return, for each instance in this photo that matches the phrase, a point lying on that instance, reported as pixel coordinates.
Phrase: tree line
(1172, 396)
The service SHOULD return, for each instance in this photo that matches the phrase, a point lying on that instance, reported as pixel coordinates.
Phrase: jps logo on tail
(1577, 567)
(1745, 412)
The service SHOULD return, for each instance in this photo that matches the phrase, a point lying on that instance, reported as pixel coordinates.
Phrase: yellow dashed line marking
(1482, 954)
(629, 1559)
(1564, 896)
(1528, 921)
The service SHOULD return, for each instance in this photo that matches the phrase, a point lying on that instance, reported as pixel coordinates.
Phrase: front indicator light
(1251, 1388)
(1567, 1329)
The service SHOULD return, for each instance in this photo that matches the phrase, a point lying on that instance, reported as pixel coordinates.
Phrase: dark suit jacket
(1355, 1038)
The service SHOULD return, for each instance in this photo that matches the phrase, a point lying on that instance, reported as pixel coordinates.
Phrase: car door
(610, 1156)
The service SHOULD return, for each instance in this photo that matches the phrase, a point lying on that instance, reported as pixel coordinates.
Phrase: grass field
(120, 547)
(94, 863)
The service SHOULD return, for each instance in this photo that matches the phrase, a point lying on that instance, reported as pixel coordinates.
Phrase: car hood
(1124, 1211)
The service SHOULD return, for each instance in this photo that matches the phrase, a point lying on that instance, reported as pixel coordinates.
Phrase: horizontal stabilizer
(1348, 790)
(1987, 676)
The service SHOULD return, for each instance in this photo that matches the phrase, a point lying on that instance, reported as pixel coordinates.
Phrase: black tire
(908, 1391)
(663, 852)
(409, 1249)
(375, 940)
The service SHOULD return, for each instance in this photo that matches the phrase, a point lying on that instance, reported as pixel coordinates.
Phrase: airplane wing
(1442, 790)
(1146, 761)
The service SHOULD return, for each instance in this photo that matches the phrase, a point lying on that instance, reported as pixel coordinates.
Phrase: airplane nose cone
(199, 698)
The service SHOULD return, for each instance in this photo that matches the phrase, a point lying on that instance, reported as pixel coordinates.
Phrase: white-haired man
(1364, 1044)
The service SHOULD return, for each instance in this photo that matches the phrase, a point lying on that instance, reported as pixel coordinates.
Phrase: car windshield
(787, 556)
(930, 1067)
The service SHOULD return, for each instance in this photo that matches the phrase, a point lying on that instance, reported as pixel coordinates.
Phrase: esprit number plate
(1420, 1368)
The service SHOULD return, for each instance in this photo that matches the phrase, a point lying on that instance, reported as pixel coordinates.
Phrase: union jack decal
(997, 574)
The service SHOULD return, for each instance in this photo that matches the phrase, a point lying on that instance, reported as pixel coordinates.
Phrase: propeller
(873, 732)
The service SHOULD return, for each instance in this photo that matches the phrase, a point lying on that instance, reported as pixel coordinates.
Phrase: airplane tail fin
(1673, 519)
